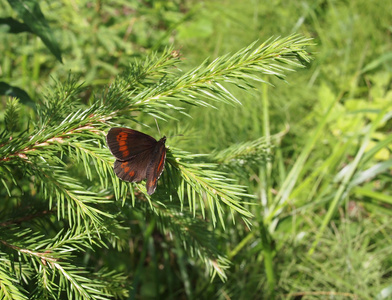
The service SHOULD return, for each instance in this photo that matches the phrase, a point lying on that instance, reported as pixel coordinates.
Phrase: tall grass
(330, 172)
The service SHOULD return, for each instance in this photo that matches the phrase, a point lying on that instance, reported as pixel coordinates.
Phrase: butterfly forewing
(155, 168)
(125, 143)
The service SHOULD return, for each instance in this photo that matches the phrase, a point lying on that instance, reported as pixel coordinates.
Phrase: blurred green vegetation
(323, 195)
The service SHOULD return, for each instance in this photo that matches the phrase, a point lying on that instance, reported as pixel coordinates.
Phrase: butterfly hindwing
(156, 165)
(130, 170)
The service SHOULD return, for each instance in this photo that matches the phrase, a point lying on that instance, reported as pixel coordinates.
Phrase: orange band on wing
(125, 167)
(122, 142)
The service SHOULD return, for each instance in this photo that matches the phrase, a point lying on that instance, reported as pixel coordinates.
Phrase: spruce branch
(50, 259)
(64, 192)
(65, 158)
(184, 229)
(59, 100)
(205, 187)
(242, 153)
(9, 287)
(195, 240)
(155, 68)
(11, 115)
(75, 132)
(203, 85)
(247, 154)
(40, 156)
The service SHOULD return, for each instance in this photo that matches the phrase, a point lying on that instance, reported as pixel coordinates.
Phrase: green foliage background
(313, 154)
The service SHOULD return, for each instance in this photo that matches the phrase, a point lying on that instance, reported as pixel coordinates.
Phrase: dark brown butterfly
(138, 156)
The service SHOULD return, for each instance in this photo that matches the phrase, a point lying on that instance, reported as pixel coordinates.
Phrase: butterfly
(138, 156)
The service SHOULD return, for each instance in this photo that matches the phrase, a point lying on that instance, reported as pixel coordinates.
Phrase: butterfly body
(138, 156)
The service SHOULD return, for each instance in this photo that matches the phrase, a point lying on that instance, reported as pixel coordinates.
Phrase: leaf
(30, 12)
(10, 25)
(381, 60)
(9, 90)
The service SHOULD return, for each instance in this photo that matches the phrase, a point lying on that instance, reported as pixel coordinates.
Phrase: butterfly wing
(156, 165)
(125, 143)
(138, 156)
(134, 169)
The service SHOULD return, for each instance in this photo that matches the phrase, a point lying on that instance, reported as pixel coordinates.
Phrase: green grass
(321, 179)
